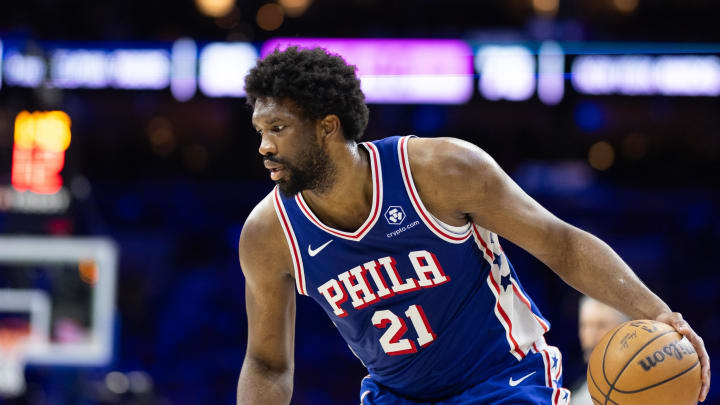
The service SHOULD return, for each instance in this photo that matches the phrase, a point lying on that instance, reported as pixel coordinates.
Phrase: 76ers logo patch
(394, 215)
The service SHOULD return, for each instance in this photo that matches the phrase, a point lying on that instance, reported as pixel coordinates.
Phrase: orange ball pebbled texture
(644, 362)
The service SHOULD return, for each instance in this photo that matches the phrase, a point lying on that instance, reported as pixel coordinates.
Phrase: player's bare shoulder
(443, 159)
(262, 248)
(449, 171)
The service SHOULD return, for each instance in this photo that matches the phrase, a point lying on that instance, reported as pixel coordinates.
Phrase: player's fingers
(705, 366)
(707, 386)
(699, 346)
(682, 326)
(677, 322)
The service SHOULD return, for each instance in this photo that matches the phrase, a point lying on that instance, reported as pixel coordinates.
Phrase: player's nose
(267, 147)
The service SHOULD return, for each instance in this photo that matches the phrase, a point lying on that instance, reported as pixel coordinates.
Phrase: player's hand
(676, 320)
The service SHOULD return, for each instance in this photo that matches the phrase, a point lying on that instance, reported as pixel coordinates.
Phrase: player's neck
(346, 204)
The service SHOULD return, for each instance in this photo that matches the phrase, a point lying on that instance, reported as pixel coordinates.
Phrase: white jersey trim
(438, 228)
(551, 375)
(362, 397)
(291, 241)
(503, 307)
(376, 173)
(512, 308)
(457, 230)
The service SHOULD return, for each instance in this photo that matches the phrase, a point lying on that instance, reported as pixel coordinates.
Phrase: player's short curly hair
(318, 82)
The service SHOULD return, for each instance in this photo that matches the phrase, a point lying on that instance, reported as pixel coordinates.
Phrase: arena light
(223, 67)
(215, 8)
(551, 73)
(79, 68)
(672, 75)
(506, 72)
(687, 76)
(147, 69)
(41, 139)
(270, 17)
(183, 77)
(24, 70)
(546, 7)
(295, 8)
(401, 70)
(626, 6)
(134, 69)
(601, 155)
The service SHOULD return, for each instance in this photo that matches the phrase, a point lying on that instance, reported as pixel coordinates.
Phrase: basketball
(644, 362)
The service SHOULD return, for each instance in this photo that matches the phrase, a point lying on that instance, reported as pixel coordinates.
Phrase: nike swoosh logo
(518, 381)
(312, 252)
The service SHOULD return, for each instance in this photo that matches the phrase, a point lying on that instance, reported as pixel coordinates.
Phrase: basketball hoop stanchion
(19, 335)
(12, 362)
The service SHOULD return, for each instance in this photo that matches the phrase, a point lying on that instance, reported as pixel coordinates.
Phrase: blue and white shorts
(537, 379)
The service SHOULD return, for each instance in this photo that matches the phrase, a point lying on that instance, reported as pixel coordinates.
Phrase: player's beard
(310, 170)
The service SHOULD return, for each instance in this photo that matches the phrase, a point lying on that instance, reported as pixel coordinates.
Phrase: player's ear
(330, 126)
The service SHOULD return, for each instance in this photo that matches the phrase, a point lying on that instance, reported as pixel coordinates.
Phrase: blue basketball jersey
(430, 309)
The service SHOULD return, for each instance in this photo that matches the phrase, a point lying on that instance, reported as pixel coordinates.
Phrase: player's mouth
(275, 169)
(276, 173)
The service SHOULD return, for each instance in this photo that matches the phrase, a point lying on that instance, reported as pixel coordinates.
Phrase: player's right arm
(267, 371)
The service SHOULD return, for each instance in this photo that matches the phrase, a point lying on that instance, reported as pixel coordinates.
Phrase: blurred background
(123, 123)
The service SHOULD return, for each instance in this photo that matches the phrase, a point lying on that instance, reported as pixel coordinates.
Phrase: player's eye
(278, 128)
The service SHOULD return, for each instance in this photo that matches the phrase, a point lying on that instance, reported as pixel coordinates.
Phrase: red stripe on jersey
(293, 248)
(550, 382)
(484, 245)
(516, 347)
(547, 367)
(405, 167)
(517, 291)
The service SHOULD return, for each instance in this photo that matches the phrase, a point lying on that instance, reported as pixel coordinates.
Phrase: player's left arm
(459, 181)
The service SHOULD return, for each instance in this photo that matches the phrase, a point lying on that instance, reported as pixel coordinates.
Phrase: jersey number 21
(392, 340)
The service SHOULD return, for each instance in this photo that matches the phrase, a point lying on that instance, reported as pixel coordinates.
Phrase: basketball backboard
(63, 290)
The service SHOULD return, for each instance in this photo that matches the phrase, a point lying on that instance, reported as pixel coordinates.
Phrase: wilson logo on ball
(395, 215)
(675, 349)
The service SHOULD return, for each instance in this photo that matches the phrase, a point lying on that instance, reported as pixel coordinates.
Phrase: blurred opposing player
(594, 321)
(397, 240)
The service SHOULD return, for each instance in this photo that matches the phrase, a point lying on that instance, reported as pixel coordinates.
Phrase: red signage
(41, 139)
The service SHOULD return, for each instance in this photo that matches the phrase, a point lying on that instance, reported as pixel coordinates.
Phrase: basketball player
(397, 240)
(595, 320)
